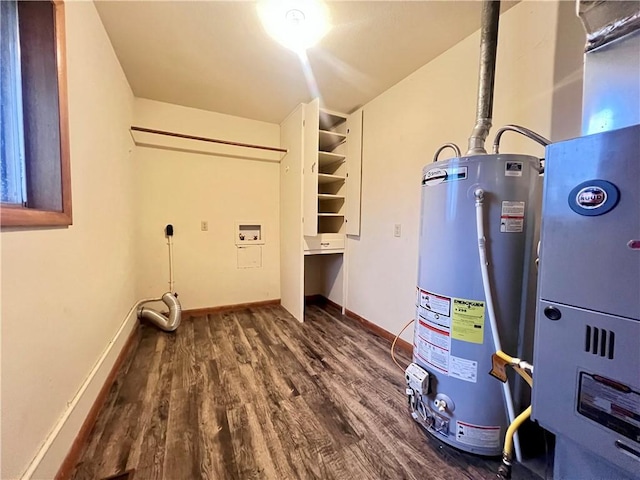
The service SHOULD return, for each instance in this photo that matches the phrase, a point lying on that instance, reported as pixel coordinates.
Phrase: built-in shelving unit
(320, 188)
(332, 137)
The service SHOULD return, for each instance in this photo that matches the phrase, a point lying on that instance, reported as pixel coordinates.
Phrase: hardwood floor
(254, 394)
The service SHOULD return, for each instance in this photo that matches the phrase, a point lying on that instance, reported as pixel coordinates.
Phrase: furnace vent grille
(599, 341)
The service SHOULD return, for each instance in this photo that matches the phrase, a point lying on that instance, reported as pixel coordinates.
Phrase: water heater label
(513, 169)
(435, 303)
(439, 321)
(467, 321)
(463, 369)
(436, 176)
(478, 435)
(512, 217)
(433, 345)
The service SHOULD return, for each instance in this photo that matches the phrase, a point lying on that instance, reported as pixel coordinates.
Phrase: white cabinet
(310, 142)
(331, 173)
(291, 236)
(324, 243)
(320, 180)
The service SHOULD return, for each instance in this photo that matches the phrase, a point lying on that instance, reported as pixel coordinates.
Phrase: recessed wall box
(249, 233)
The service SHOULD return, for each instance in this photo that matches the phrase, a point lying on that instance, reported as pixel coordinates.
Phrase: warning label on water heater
(478, 435)
(433, 346)
(433, 333)
(435, 303)
(512, 217)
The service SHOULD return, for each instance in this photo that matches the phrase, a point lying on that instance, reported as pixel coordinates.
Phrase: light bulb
(295, 24)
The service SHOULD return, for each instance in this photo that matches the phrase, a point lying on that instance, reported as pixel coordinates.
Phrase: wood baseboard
(401, 344)
(196, 312)
(69, 463)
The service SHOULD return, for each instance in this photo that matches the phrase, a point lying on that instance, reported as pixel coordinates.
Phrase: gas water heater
(453, 336)
(476, 258)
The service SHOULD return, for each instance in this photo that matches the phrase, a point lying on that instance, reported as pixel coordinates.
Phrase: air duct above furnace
(611, 95)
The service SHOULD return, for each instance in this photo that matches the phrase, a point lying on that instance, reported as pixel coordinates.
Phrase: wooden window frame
(37, 170)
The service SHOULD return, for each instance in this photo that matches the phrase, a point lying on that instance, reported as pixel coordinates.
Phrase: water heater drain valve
(440, 404)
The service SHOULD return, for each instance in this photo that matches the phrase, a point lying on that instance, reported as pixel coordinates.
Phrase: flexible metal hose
(170, 323)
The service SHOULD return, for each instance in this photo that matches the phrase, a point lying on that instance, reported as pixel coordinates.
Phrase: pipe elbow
(478, 137)
(167, 323)
(175, 311)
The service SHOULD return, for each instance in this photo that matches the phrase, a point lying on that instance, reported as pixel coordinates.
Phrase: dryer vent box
(249, 233)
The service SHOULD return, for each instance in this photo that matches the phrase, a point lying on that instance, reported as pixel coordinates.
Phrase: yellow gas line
(519, 366)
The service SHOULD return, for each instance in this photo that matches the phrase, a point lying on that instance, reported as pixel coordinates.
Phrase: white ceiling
(216, 56)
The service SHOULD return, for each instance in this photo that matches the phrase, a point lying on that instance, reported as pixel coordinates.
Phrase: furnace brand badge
(592, 198)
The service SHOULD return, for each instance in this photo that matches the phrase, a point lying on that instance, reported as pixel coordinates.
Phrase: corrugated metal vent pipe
(486, 78)
(167, 323)
(171, 322)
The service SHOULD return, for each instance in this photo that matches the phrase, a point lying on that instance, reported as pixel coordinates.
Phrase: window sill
(15, 216)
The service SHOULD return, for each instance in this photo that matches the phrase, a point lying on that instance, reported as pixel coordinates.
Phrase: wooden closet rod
(206, 139)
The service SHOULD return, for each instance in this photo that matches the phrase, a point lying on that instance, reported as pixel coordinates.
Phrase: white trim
(54, 449)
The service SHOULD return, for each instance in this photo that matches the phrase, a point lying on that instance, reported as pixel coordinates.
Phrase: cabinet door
(310, 168)
(291, 246)
(354, 172)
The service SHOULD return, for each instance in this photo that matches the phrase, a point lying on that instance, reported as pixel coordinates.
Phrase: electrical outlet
(397, 230)
(204, 225)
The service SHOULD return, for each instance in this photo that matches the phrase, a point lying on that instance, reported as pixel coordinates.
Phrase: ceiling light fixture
(295, 24)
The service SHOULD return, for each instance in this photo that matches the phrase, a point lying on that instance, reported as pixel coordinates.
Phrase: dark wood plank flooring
(253, 394)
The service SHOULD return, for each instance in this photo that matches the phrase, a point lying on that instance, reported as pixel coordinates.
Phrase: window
(34, 173)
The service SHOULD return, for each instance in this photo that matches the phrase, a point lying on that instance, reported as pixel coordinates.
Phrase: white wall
(434, 105)
(221, 185)
(65, 291)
